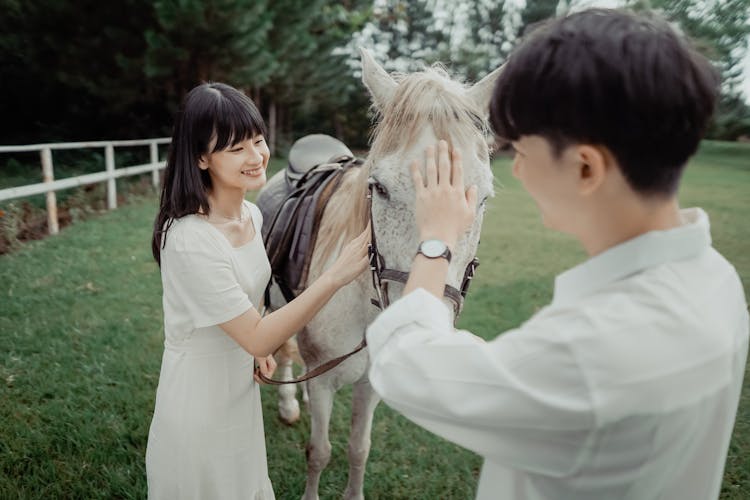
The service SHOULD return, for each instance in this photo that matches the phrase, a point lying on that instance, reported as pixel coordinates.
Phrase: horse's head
(415, 111)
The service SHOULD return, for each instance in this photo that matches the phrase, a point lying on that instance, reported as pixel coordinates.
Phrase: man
(626, 386)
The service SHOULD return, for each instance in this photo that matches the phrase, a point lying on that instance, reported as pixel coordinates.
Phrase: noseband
(381, 275)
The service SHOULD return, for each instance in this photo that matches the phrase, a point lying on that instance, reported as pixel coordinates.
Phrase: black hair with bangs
(611, 78)
(210, 113)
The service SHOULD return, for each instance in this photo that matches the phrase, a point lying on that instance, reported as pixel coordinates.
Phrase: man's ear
(203, 162)
(594, 163)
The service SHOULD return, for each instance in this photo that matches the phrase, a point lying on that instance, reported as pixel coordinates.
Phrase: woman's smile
(253, 172)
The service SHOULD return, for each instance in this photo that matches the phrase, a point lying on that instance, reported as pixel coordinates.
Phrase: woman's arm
(261, 336)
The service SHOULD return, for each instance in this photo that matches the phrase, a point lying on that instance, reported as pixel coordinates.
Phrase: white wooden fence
(49, 185)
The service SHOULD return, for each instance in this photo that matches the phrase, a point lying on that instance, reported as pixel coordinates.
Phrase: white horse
(414, 111)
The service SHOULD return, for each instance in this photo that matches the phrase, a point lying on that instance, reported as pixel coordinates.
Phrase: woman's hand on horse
(445, 209)
(352, 261)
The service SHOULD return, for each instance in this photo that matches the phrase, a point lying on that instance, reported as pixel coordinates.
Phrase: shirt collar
(633, 256)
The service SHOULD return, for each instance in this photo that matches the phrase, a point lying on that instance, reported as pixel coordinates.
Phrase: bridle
(381, 275)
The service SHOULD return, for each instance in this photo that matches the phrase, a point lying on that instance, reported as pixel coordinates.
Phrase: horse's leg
(319, 448)
(364, 401)
(297, 358)
(288, 405)
(306, 396)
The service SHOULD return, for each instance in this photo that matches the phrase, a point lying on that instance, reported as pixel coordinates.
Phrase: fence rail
(109, 175)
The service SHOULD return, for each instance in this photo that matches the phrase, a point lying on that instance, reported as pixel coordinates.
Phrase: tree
(487, 40)
(470, 37)
(407, 34)
(312, 77)
(209, 40)
(721, 30)
(536, 11)
(67, 76)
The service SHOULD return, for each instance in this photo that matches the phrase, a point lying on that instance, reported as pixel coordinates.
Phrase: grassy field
(81, 342)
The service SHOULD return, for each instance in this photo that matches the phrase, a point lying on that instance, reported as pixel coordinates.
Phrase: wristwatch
(434, 249)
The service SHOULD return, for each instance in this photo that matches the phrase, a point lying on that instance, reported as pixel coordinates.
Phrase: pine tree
(209, 40)
(311, 76)
(489, 38)
(721, 30)
(71, 77)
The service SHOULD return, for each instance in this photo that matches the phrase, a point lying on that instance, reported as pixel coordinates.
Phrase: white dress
(206, 439)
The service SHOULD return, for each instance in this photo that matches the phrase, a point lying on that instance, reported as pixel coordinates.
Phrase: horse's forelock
(428, 98)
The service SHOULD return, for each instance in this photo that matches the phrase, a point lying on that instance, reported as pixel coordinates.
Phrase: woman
(206, 438)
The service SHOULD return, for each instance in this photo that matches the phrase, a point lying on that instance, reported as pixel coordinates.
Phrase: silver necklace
(241, 218)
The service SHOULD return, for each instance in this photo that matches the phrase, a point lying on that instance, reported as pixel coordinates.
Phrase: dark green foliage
(73, 70)
(488, 40)
(732, 119)
(102, 70)
(721, 31)
(97, 70)
(312, 88)
(536, 11)
(217, 40)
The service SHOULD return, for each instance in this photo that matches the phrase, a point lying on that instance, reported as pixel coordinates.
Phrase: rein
(381, 276)
(318, 370)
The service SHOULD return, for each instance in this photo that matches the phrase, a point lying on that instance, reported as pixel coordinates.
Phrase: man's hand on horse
(445, 209)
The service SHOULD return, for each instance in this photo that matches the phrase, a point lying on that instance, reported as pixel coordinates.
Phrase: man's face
(550, 180)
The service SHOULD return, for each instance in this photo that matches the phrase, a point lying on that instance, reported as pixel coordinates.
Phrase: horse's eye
(379, 188)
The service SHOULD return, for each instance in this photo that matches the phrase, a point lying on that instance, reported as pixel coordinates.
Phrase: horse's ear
(377, 80)
(481, 92)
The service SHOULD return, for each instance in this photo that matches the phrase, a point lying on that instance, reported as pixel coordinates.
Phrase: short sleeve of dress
(199, 278)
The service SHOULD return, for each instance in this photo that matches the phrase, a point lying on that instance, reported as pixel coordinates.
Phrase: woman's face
(239, 166)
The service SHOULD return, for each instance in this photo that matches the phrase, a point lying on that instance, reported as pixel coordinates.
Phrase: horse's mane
(425, 98)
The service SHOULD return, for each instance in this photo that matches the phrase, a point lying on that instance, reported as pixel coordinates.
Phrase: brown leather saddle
(292, 209)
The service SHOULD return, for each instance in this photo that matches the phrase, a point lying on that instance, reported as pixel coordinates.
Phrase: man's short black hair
(610, 78)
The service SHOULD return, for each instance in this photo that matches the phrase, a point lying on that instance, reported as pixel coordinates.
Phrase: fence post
(154, 161)
(48, 175)
(109, 161)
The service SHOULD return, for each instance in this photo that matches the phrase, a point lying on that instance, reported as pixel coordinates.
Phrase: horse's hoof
(289, 412)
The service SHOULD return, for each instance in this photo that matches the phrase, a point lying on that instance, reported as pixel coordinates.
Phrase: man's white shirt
(625, 387)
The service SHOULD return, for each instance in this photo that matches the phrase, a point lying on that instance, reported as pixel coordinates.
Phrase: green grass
(81, 342)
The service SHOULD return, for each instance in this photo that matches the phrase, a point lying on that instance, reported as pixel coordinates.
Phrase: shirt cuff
(417, 308)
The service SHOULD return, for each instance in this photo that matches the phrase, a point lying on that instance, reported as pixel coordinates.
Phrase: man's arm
(520, 399)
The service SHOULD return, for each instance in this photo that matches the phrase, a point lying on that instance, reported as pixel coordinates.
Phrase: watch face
(433, 248)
